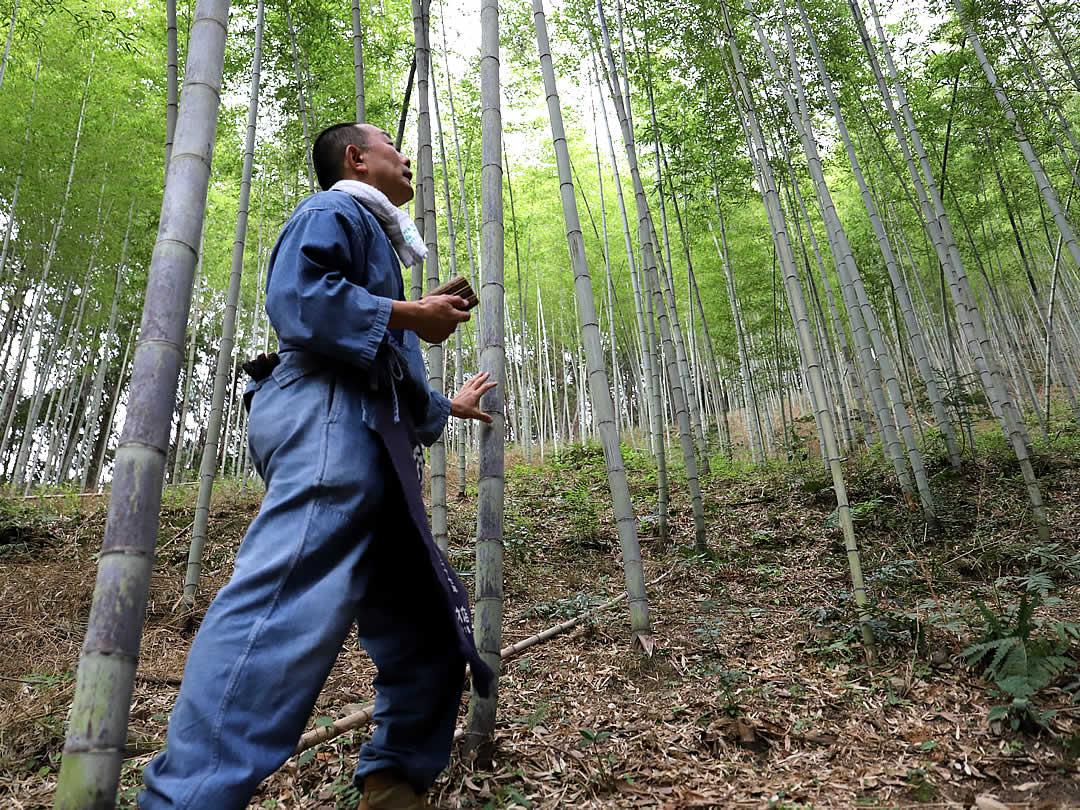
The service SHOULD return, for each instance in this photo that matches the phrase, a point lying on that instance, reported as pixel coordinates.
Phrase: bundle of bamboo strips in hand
(458, 285)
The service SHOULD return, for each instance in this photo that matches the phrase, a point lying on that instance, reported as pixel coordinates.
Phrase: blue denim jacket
(332, 276)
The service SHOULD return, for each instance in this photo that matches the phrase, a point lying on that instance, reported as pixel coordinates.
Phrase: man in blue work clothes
(342, 535)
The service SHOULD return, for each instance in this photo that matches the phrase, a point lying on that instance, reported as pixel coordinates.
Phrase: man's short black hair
(328, 152)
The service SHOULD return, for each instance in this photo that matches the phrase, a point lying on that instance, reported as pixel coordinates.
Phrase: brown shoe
(384, 790)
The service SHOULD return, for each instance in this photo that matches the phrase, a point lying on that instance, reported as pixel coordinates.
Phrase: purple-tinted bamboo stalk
(93, 752)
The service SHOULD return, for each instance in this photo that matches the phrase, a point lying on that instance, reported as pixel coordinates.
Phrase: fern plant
(1018, 662)
(1056, 559)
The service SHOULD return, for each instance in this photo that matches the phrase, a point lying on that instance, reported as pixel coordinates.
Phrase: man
(341, 536)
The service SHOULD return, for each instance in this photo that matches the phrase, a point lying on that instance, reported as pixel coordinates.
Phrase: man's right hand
(434, 318)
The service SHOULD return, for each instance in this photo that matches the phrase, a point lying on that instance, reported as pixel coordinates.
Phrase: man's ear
(355, 158)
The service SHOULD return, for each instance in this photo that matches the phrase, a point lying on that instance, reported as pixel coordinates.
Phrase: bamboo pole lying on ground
(339, 727)
(363, 716)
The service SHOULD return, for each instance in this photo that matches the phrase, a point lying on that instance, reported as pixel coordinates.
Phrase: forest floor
(758, 693)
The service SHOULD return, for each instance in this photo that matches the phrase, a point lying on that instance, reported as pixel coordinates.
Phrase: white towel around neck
(397, 225)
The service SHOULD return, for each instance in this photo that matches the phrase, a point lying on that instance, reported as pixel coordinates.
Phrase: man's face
(383, 166)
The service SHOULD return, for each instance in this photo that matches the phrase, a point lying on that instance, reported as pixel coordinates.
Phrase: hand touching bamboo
(466, 405)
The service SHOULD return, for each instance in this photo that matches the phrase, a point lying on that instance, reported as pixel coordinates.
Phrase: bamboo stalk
(228, 339)
(491, 344)
(97, 729)
(7, 45)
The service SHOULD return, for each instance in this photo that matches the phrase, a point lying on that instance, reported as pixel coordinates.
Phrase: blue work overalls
(328, 547)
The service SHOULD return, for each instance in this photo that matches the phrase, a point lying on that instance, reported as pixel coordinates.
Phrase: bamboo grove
(718, 232)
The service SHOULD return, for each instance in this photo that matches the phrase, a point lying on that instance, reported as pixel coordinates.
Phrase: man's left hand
(466, 405)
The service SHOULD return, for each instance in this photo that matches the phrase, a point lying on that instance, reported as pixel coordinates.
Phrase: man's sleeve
(309, 299)
(432, 414)
(438, 411)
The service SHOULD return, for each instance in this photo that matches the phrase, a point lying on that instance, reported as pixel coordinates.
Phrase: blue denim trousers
(332, 545)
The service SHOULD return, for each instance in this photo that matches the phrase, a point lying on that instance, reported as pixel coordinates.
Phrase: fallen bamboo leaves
(363, 716)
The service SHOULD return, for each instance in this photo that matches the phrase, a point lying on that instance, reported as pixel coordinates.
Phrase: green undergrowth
(23, 527)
